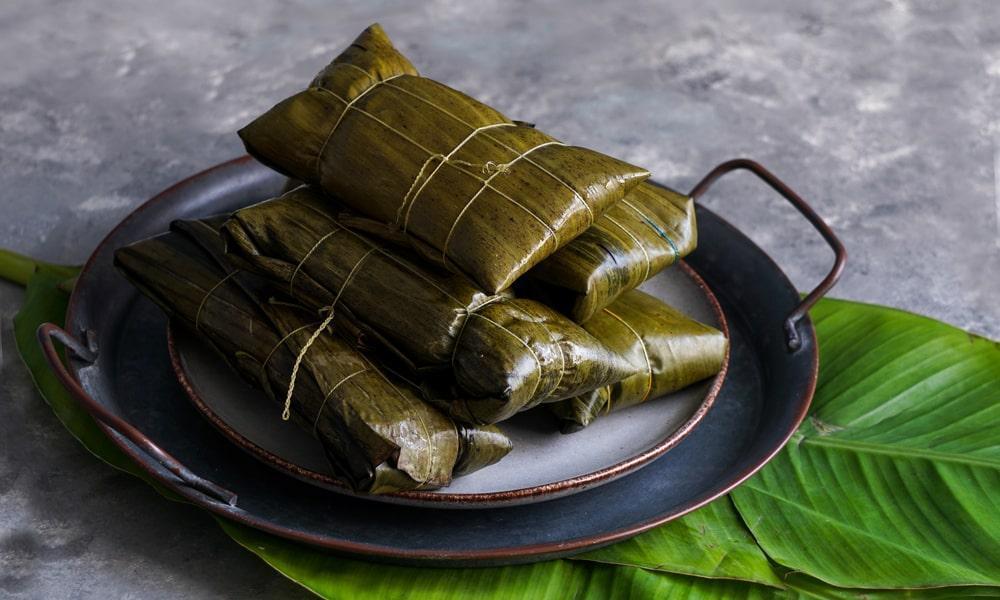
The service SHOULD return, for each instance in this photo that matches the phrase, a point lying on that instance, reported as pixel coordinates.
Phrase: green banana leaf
(43, 301)
(697, 547)
(18, 269)
(803, 586)
(332, 577)
(894, 479)
(698, 556)
(710, 542)
(346, 579)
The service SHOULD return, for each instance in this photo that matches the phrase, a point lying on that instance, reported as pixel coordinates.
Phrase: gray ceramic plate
(544, 463)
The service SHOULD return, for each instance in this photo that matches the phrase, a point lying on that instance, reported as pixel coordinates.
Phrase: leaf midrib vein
(906, 550)
(899, 451)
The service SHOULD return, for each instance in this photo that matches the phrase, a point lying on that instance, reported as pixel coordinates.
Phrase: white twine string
(551, 233)
(408, 202)
(330, 394)
(201, 306)
(286, 413)
(645, 354)
(298, 267)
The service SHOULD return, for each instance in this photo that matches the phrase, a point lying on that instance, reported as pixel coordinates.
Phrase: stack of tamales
(440, 269)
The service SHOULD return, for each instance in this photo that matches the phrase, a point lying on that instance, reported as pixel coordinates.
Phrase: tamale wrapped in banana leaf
(506, 354)
(469, 188)
(673, 349)
(650, 229)
(378, 434)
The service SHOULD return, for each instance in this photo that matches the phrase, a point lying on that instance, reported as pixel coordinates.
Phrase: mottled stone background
(881, 113)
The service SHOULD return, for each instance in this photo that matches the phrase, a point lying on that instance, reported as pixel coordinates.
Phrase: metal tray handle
(792, 339)
(47, 332)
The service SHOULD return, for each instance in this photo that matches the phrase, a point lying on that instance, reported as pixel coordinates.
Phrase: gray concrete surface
(882, 113)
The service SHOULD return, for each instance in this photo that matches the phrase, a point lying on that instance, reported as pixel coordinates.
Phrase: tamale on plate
(469, 188)
(650, 229)
(506, 354)
(674, 351)
(378, 434)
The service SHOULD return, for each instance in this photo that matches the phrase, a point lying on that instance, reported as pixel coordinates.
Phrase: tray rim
(430, 499)
(484, 557)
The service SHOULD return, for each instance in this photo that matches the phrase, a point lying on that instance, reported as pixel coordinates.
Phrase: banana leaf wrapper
(505, 354)
(479, 445)
(378, 434)
(673, 349)
(469, 188)
(649, 230)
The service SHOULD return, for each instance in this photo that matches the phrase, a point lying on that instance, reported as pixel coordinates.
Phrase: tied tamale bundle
(470, 189)
(650, 229)
(674, 351)
(480, 446)
(505, 354)
(377, 433)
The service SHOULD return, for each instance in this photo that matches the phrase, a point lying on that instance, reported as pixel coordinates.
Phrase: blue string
(663, 235)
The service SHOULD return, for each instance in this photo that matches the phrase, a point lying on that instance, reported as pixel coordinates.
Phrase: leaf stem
(18, 268)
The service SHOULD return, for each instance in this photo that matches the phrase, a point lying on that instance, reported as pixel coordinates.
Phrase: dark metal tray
(118, 368)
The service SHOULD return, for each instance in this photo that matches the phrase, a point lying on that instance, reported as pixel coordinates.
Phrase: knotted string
(488, 168)
(469, 313)
(267, 359)
(286, 413)
(459, 308)
(486, 185)
(499, 142)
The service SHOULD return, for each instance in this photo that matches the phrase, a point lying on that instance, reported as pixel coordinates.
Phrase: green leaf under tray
(891, 482)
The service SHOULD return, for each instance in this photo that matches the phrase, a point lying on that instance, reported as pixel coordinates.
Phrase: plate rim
(80, 300)
(462, 500)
